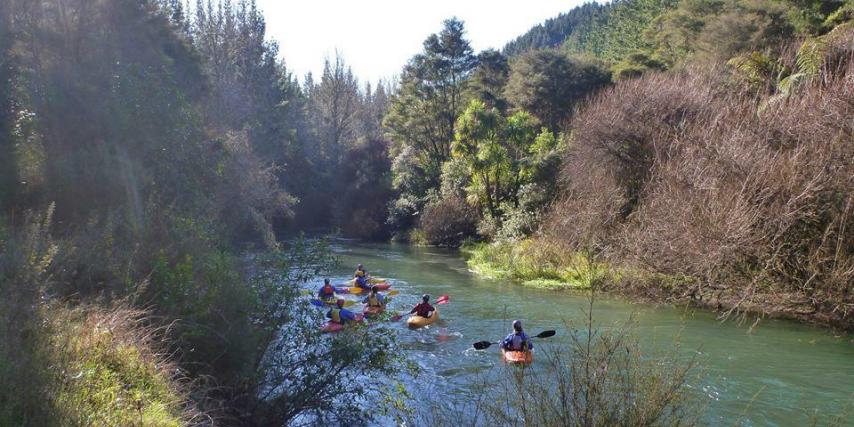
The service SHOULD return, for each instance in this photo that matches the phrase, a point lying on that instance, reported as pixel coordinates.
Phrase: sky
(377, 37)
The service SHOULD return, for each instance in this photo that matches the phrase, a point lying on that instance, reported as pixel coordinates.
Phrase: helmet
(374, 289)
(340, 303)
(325, 281)
(425, 297)
(359, 267)
(517, 325)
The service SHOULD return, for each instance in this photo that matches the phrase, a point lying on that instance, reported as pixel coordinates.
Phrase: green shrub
(535, 262)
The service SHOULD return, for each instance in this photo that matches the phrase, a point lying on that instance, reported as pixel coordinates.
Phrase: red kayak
(330, 326)
(373, 311)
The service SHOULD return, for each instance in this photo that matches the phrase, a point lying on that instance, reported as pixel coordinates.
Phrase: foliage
(535, 262)
(113, 375)
(554, 31)
(447, 222)
(302, 375)
(683, 177)
(619, 30)
(548, 84)
(75, 366)
(487, 81)
(361, 209)
(424, 110)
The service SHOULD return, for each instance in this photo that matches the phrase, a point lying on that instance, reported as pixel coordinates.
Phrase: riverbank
(539, 264)
(90, 366)
(535, 264)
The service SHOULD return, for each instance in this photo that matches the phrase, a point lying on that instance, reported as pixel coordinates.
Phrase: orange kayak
(517, 356)
(415, 321)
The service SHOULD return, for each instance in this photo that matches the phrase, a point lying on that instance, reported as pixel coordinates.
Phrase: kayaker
(326, 292)
(361, 277)
(360, 272)
(339, 314)
(424, 309)
(375, 299)
(517, 340)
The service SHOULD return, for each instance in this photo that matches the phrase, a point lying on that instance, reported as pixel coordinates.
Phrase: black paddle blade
(545, 334)
(482, 345)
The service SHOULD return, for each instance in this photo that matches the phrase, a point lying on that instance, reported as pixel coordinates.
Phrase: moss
(534, 263)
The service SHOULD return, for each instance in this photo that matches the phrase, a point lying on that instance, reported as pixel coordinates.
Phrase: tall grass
(76, 366)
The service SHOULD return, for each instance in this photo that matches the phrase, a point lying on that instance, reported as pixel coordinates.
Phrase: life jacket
(423, 309)
(374, 301)
(327, 290)
(335, 315)
(362, 282)
(517, 342)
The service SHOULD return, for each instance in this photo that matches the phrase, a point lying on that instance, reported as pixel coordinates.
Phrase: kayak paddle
(482, 345)
(320, 303)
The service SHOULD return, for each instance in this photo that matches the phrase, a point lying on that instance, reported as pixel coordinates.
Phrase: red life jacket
(423, 309)
(328, 290)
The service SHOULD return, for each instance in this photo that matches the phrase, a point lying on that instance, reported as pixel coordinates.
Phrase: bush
(448, 222)
(535, 262)
(684, 177)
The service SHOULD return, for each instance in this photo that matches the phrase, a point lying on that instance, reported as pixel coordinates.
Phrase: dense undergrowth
(134, 183)
(536, 264)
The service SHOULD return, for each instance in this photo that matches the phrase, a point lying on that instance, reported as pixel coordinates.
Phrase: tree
(8, 164)
(549, 84)
(489, 78)
(494, 149)
(424, 110)
(335, 105)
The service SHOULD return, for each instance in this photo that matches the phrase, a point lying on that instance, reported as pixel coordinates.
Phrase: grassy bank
(535, 263)
(105, 370)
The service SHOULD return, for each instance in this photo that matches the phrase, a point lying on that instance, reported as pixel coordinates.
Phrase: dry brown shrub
(447, 222)
(681, 174)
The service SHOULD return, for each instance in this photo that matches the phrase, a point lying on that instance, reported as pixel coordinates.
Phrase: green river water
(797, 370)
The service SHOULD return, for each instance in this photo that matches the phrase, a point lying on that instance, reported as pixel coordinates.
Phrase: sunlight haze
(377, 37)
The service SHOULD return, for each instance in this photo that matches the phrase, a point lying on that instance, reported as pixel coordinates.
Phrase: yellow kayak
(372, 280)
(416, 321)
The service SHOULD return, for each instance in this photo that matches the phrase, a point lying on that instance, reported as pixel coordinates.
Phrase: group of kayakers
(516, 341)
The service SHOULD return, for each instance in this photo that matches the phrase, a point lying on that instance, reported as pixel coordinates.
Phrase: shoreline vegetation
(538, 264)
(671, 149)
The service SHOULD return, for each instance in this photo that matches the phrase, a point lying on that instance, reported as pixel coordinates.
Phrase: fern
(811, 55)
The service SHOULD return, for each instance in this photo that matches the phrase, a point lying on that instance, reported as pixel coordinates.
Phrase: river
(796, 369)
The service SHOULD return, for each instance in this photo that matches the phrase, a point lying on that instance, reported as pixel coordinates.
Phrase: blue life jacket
(341, 315)
(517, 342)
(362, 282)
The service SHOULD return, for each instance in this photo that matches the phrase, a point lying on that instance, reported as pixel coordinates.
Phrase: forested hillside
(159, 164)
(554, 31)
(144, 148)
(479, 157)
